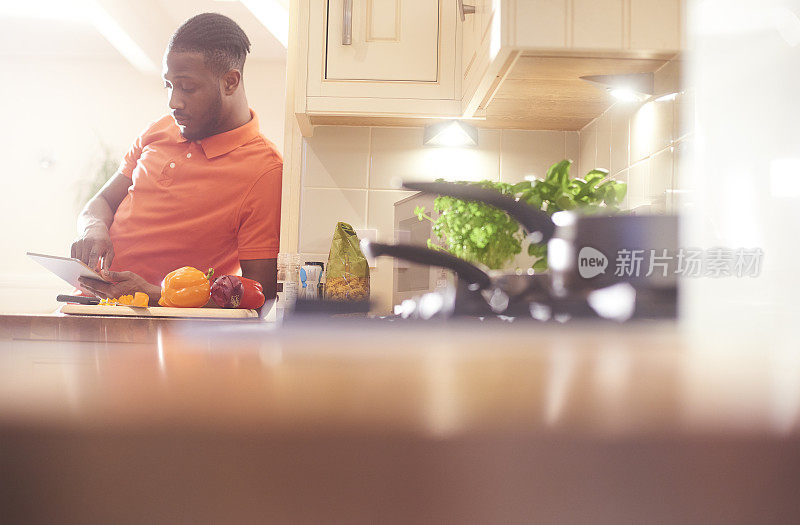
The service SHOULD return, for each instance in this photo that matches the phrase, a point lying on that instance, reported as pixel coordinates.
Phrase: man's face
(195, 98)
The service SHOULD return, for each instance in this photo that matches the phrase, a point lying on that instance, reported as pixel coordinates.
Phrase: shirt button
(171, 164)
(188, 155)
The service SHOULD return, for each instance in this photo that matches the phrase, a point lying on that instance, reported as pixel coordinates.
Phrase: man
(200, 187)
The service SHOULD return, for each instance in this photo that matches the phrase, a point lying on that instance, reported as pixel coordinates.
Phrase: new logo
(591, 262)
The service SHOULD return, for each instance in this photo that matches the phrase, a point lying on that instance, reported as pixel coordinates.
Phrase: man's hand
(93, 246)
(123, 283)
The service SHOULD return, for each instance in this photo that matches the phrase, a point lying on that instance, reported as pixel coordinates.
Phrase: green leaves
(480, 233)
(477, 232)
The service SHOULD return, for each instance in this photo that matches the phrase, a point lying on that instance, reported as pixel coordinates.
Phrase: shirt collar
(223, 143)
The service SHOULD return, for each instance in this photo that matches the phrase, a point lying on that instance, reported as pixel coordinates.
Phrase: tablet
(66, 268)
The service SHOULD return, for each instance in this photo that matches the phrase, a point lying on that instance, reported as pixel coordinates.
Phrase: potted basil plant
(480, 233)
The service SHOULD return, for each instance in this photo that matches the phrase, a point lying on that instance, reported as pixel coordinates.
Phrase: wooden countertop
(88, 328)
(400, 422)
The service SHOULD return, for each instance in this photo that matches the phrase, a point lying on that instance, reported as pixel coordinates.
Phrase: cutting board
(159, 311)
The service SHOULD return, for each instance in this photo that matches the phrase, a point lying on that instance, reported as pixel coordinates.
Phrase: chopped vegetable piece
(141, 299)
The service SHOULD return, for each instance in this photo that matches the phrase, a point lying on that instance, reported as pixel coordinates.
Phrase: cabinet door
(482, 56)
(392, 40)
(474, 33)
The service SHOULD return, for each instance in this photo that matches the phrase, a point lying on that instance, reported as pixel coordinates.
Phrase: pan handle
(532, 220)
(465, 271)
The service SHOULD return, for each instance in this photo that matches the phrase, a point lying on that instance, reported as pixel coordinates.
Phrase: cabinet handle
(464, 10)
(347, 22)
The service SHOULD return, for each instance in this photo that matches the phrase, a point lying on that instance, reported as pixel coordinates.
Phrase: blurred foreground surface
(356, 422)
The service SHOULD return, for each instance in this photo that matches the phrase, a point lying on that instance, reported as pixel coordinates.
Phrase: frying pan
(630, 246)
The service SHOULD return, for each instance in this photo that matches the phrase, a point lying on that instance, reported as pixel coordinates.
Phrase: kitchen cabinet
(372, 40)
(368, 62)
(388, 58)
(478, 49)
(600, 29)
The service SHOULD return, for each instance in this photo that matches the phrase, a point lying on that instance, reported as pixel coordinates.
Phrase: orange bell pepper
(186, 287)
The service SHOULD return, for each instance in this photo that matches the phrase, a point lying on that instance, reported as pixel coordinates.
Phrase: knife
(77, 299)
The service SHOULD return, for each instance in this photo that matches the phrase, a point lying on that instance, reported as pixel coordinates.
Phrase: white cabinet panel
(392, 40)
(541, 23)
(655, 24)
(471, 39)
(597, 24)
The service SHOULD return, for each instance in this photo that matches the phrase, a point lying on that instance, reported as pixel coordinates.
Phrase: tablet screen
(66, 268)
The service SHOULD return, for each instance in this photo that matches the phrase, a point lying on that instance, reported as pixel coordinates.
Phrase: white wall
(265, 84)
(63, 111)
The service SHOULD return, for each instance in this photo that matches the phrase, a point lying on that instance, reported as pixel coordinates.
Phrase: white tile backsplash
(573, 150)
(641, 132)
(322, 208)
(663, 125)
(399, 154)
(622, 176)
(620, 115)
(380, 212)
(661, 181)
(644, 142)
(684, 114)
(638, 180)
(336, 157)
(588, 148)
(526, 153)
(603, 155)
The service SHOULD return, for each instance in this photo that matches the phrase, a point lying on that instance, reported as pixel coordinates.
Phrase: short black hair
(219, 38)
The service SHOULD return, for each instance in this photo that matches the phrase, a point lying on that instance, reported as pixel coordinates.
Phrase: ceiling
(264, 46)
(31, 37)
(148, 22)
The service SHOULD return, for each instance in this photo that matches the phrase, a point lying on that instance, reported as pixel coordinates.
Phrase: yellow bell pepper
(186, 287)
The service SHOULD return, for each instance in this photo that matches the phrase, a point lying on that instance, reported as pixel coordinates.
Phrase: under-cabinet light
(627, 95)
(452, 133)
(667, 97)
(635, 87)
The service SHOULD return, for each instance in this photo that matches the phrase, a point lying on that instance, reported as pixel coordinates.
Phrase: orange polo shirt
(206, 204)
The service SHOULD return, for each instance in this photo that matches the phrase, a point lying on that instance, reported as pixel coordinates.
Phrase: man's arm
(93, 242)
(264, 271)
